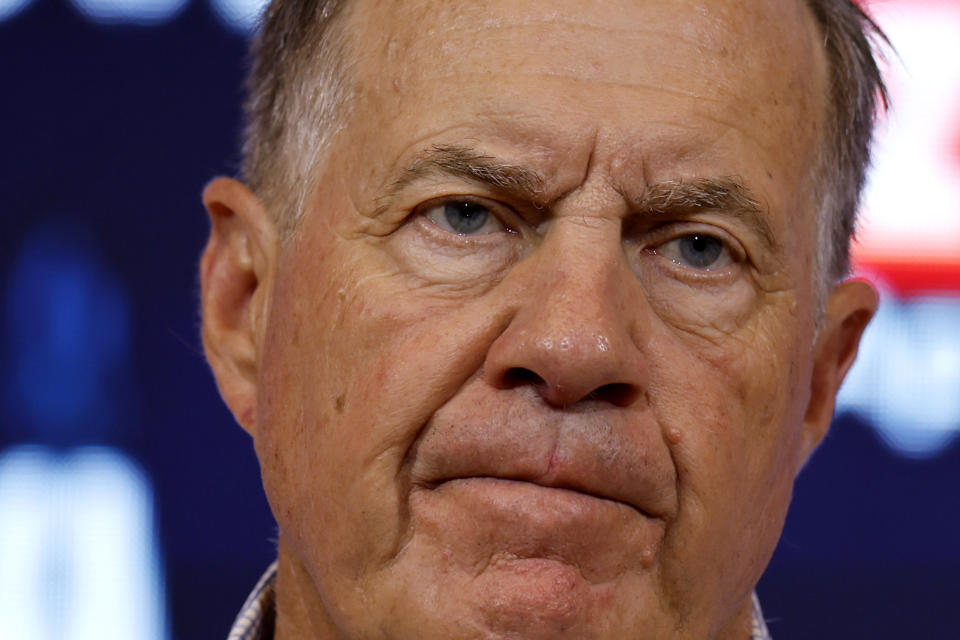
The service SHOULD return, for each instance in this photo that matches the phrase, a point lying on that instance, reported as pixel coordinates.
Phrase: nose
(573, 337)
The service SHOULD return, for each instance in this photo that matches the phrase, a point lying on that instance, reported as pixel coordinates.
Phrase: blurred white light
(10, 8)
(78, 554)
(912, 199)
(143, 12)
(906, 381)
(239, 15)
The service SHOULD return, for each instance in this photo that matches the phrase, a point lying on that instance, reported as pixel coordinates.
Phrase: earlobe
(235, 276)
(849, 310)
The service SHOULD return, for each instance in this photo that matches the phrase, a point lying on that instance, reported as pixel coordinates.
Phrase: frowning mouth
(571, 460)
(570, 494)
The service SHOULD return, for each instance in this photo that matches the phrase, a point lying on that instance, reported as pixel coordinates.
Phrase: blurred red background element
(910, 232)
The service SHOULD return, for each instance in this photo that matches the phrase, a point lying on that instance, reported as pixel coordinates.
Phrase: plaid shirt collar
(758, 628)
(256, 618)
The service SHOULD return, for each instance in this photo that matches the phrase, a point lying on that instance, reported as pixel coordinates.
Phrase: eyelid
(666, 232)
(503, 213)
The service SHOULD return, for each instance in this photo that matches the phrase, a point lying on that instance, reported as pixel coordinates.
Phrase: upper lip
(615, 462)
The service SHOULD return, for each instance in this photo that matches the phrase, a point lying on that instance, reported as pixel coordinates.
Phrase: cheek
(739, 385)
(310, 389)
(732, 410)
(294, 395)
(337, 417)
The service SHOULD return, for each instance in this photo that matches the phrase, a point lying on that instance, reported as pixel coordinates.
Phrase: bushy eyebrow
(465, 162)
(727, 194)
(672, 197)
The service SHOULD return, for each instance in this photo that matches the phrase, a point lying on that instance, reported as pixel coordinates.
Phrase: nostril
(617, 393)
(518, 376)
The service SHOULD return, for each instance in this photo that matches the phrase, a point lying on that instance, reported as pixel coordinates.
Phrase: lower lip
(479, 518)
(528, 494)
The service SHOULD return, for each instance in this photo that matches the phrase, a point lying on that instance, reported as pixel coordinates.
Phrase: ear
(235, 276)
(849, 309)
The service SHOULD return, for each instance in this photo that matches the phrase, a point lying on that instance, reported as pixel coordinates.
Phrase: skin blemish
(647, 556)
(338, 403)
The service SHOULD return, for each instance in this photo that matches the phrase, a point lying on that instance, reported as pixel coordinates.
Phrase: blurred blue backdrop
(130, 503)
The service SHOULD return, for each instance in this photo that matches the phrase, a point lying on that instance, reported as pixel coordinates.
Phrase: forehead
(663, 86)
(586, 38)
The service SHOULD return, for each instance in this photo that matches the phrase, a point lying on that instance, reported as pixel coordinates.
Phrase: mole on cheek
(674, 435)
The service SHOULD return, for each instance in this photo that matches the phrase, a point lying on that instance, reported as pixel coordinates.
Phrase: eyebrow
(671, 197)
(465, 162)
(725, 193)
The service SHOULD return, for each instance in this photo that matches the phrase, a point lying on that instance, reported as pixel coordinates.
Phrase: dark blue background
(109, 134)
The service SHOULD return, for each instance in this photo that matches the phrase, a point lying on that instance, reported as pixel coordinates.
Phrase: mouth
(560, 460)
(484, 521)
(617, 473)
(550, 490)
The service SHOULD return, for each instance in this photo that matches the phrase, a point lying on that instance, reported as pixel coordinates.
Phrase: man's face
(541, 360)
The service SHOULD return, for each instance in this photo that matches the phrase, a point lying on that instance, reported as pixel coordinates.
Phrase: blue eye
(463, 217)
(696, 250)
(699, 250)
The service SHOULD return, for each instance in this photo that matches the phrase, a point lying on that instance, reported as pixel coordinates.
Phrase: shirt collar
(256, 619)
(758, 628)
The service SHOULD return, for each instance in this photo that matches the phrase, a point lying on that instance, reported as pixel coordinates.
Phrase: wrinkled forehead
(770, 42)
(674, 79)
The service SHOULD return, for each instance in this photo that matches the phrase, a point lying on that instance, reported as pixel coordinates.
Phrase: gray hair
(298, 91)
(852, 42)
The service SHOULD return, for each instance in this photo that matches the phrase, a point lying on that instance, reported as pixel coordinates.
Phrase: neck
(740, 627)
(300, 610)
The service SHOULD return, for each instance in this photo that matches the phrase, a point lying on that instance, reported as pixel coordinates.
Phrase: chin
(544, 599)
